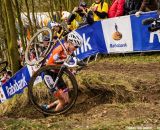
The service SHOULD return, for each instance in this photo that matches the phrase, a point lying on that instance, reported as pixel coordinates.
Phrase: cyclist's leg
(62, 86)
(63, 96)
(59, 91)
(49, 78)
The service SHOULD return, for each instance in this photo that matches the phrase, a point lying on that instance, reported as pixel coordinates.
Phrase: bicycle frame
(62, 68)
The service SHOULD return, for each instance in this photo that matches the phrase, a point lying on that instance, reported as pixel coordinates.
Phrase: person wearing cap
(99, 9)
(59, 32)
(81, 14)
(6, 76)
(73, 24)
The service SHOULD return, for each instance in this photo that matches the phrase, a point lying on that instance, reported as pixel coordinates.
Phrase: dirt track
(113, 95)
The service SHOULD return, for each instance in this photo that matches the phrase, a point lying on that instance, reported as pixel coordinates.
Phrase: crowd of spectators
(85, 14)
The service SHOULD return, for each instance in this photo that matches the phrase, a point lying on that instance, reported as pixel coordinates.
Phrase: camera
(153, 22)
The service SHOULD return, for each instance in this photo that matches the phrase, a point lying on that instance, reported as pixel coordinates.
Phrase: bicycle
(38, 91)
(36, 44)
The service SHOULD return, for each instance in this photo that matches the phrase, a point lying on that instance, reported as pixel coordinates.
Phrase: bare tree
(20, 23)
(3, 46)
(33, 15)
(11, 37)
(28, 16)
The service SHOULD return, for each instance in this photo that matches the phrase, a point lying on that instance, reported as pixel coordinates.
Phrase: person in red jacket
(116, 9)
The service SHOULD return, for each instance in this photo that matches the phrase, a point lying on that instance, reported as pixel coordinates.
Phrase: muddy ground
(115, 93)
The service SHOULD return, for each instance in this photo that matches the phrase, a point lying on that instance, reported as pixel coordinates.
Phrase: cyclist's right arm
(57, 54)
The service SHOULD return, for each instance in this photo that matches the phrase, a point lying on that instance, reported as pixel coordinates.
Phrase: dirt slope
(116, 93)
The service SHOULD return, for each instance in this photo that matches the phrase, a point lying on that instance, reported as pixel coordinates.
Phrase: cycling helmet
(75, 38)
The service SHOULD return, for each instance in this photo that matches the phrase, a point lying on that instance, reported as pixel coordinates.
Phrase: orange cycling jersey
(57, 54)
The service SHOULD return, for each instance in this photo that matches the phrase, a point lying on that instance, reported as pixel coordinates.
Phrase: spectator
(148, 5)
(132, 6)
(158, 7)
(99, 9)
(58, 30)
(116, 9)
(6, 76)
(73, 25)
(81, 14)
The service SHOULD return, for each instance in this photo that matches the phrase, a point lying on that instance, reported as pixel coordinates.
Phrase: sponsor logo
(153, 35)
(117, 35)
(2, 96)
(118, 45)
(18, 85)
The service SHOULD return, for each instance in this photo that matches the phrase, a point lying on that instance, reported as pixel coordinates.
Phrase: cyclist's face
(71, 46)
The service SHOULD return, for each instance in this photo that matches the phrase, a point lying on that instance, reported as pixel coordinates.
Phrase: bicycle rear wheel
(37, 48)
(40, 94)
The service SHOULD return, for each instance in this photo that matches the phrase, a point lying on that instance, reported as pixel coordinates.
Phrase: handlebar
(67, 63)
(75, 62)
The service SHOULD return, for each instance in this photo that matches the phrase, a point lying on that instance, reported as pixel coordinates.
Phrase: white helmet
(75, 38)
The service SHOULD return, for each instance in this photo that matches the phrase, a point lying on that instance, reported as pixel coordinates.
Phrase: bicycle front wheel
(40, 94)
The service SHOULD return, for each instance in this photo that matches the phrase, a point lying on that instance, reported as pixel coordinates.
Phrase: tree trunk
(28, 16)
(51, 9)
(33, 16)
(6, 31)
(12, 42)
(2, 22)
(20, 24)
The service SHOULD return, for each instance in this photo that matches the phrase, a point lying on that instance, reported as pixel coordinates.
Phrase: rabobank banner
(93, 40)
(143, 40)
(119, 35)
(116, 35)
(15, 85)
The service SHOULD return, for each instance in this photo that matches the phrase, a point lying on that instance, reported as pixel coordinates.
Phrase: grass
(131, 58)
(16, 102)
(111, 116)
(23, 124)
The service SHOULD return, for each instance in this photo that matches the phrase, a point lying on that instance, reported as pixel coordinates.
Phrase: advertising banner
(93, 40)
(118, 34)
(143, 40)
(16, 84)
